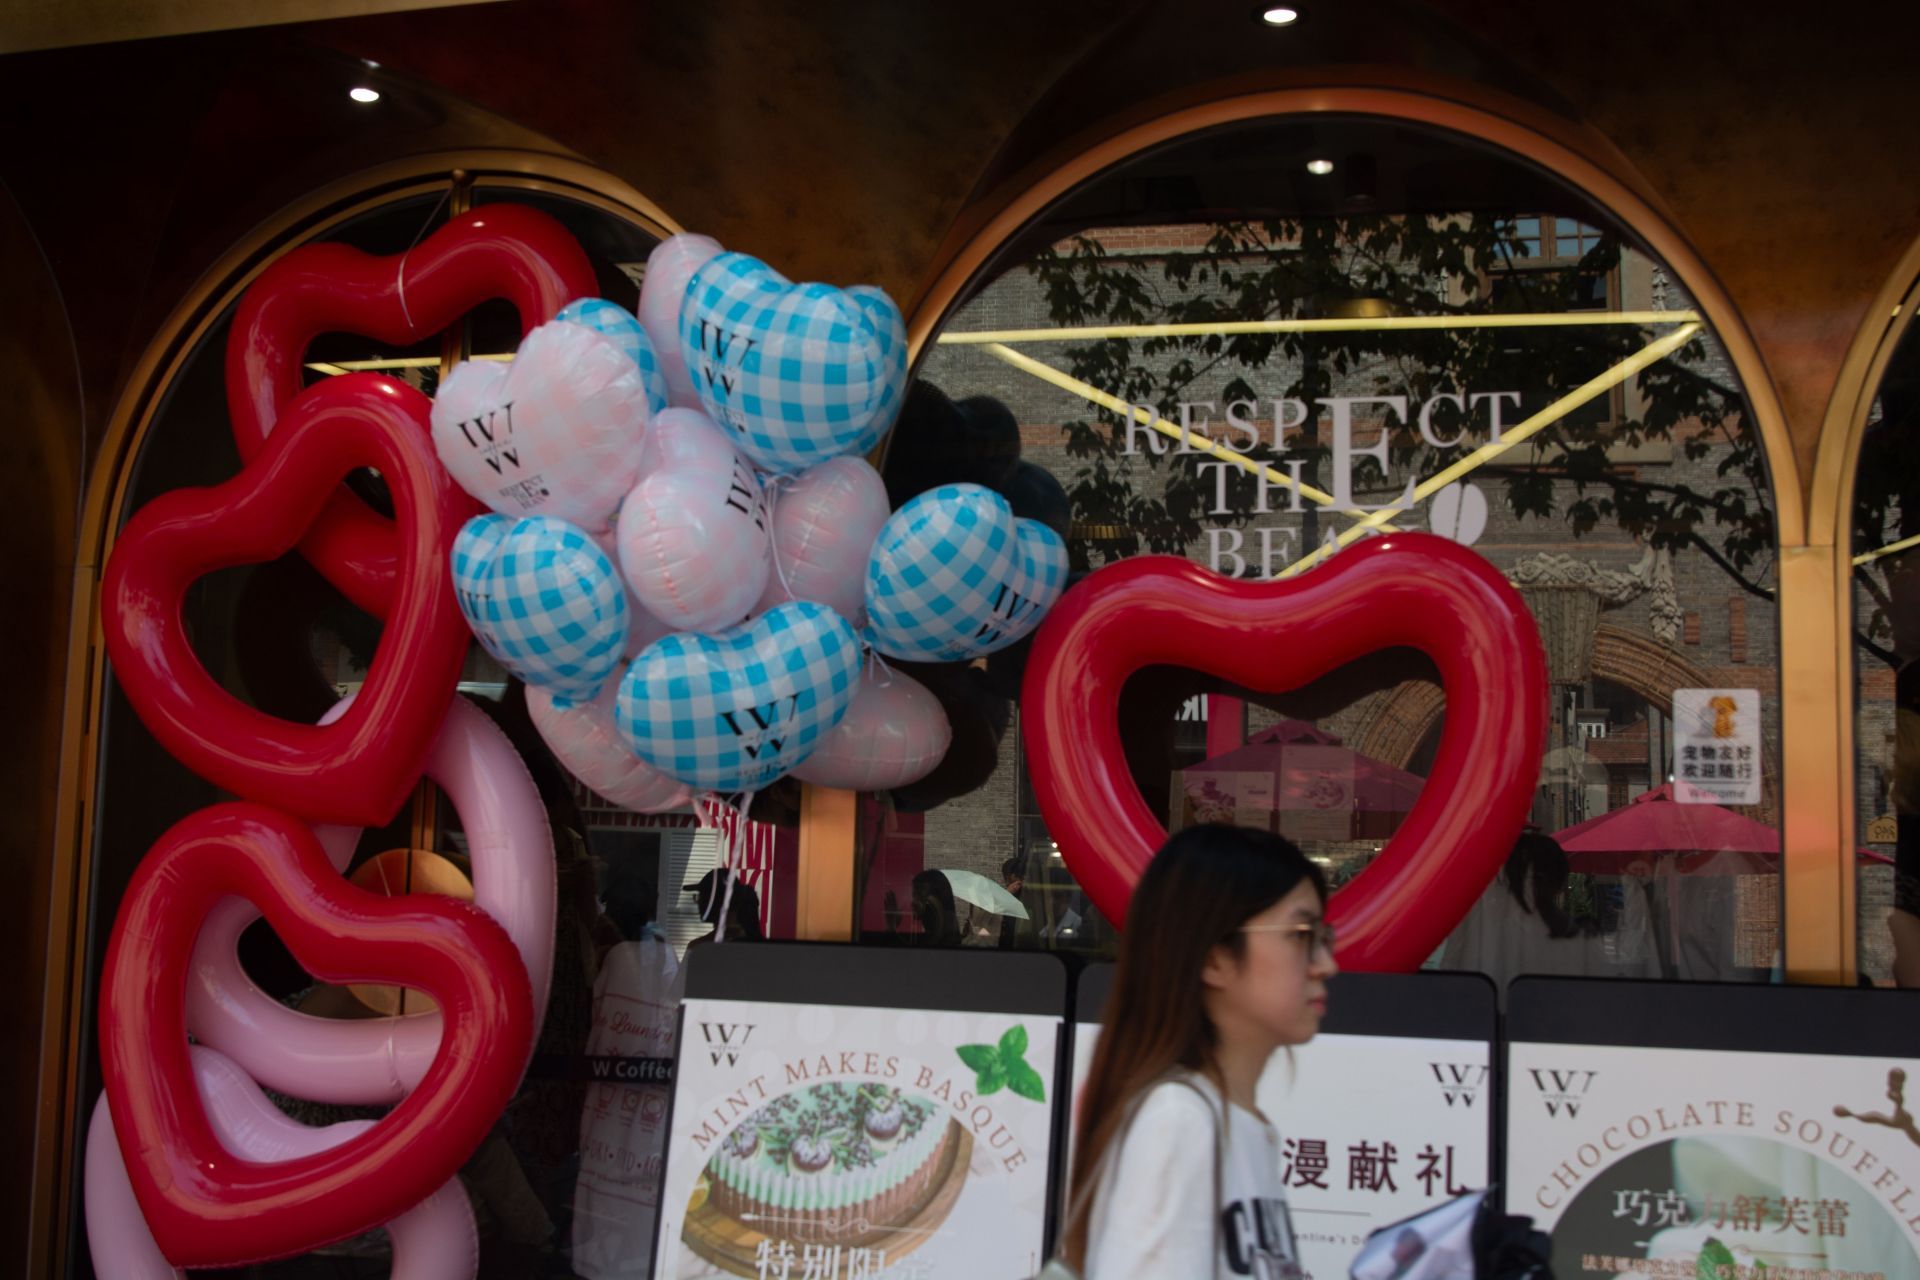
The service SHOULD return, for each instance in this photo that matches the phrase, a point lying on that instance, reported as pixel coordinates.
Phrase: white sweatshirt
(1154, 1216)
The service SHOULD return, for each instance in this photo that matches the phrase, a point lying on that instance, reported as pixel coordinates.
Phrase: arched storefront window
(1885, 604)
(278, 636)
(1254, 344)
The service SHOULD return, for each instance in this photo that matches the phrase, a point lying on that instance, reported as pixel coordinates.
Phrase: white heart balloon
(669, 267)
(642, 627)
(557, 432)
(588, 745)
(894, 733)
(693, 537)
(824, 524)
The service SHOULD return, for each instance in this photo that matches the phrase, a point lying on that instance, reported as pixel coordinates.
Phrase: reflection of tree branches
(1278, 269)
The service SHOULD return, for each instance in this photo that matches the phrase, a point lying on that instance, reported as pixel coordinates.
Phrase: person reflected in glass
(742, 908)
(1225, 959)
(1524, 923)
(935, 911)
(1015, 932)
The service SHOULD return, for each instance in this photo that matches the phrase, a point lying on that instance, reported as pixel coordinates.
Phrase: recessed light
(1279, 16)
(1319, 168)
(360, 93)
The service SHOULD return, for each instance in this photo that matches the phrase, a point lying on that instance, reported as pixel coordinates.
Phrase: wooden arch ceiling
(864, 140)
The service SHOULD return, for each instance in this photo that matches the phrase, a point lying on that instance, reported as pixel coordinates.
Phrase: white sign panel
(1716, 746)
(1682, 1163)
(1374, 1129)
(831, 1142)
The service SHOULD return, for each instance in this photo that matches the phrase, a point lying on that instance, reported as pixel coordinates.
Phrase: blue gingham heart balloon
(955, 575)
(799, 373)
(623, 329)
(734, 711)
(543, 600)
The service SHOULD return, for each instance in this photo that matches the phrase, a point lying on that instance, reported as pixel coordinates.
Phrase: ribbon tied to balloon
(1413, 590)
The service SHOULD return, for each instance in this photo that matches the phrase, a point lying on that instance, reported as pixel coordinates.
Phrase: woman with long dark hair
(1225, 958)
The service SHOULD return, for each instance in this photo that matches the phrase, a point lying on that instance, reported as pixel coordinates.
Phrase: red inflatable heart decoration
(359, 769)
(208, 1208)
(1414, 590)
(499, 251)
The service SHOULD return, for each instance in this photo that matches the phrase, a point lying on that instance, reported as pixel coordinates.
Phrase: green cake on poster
(830, 1162)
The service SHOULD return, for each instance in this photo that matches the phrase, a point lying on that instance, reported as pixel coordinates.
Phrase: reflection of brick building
(1657, 622)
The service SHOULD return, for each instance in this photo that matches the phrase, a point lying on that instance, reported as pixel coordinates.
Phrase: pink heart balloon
(583, 738)
(693, 538)
(557, 432)
(824, 524)
(894, 733)
(434, 1240)
(378, 1060)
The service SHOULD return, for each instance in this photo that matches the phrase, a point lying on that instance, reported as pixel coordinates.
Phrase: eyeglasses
(1318, 935)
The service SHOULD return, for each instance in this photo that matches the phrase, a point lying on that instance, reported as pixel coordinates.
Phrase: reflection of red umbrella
(1657, 824)
(1365, 786)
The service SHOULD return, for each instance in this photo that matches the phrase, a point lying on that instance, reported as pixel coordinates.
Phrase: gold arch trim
(1818, 906)
(107, 489)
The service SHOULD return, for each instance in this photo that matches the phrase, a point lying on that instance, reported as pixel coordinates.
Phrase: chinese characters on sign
(1716, 746)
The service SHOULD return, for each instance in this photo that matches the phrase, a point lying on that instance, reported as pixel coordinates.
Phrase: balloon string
(402, 281)
(730, 857)
(882, 673)
(771, 494)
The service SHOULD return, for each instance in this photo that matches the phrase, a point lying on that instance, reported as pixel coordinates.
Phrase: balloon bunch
(681, 493)
(189, 1163)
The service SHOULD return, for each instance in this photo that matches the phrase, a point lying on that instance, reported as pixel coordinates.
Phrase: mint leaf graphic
(979, 1057)
(1716, 1261)
(996, 1067)
(1026, 1082)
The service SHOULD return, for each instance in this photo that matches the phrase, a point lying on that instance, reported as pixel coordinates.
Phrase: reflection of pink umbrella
(1655, 823)
(1366, 786)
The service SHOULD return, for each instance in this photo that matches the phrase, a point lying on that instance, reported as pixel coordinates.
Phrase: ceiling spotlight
(360, 93)
(1319, 168)
(1279, 16)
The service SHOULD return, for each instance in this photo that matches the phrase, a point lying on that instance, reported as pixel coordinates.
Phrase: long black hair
(1205, 883)
(1536, 875)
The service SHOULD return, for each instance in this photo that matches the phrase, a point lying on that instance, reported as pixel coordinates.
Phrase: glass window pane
(1597, 509)
(1886, 658)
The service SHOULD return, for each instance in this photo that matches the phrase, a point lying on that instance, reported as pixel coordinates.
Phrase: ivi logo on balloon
(716, 343)
(493, 437)
(760, 728)
(1010, 608)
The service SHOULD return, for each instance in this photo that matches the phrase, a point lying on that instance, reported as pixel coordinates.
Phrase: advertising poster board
(1387, 1112)
(1725, 1132)
(850, 1113)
